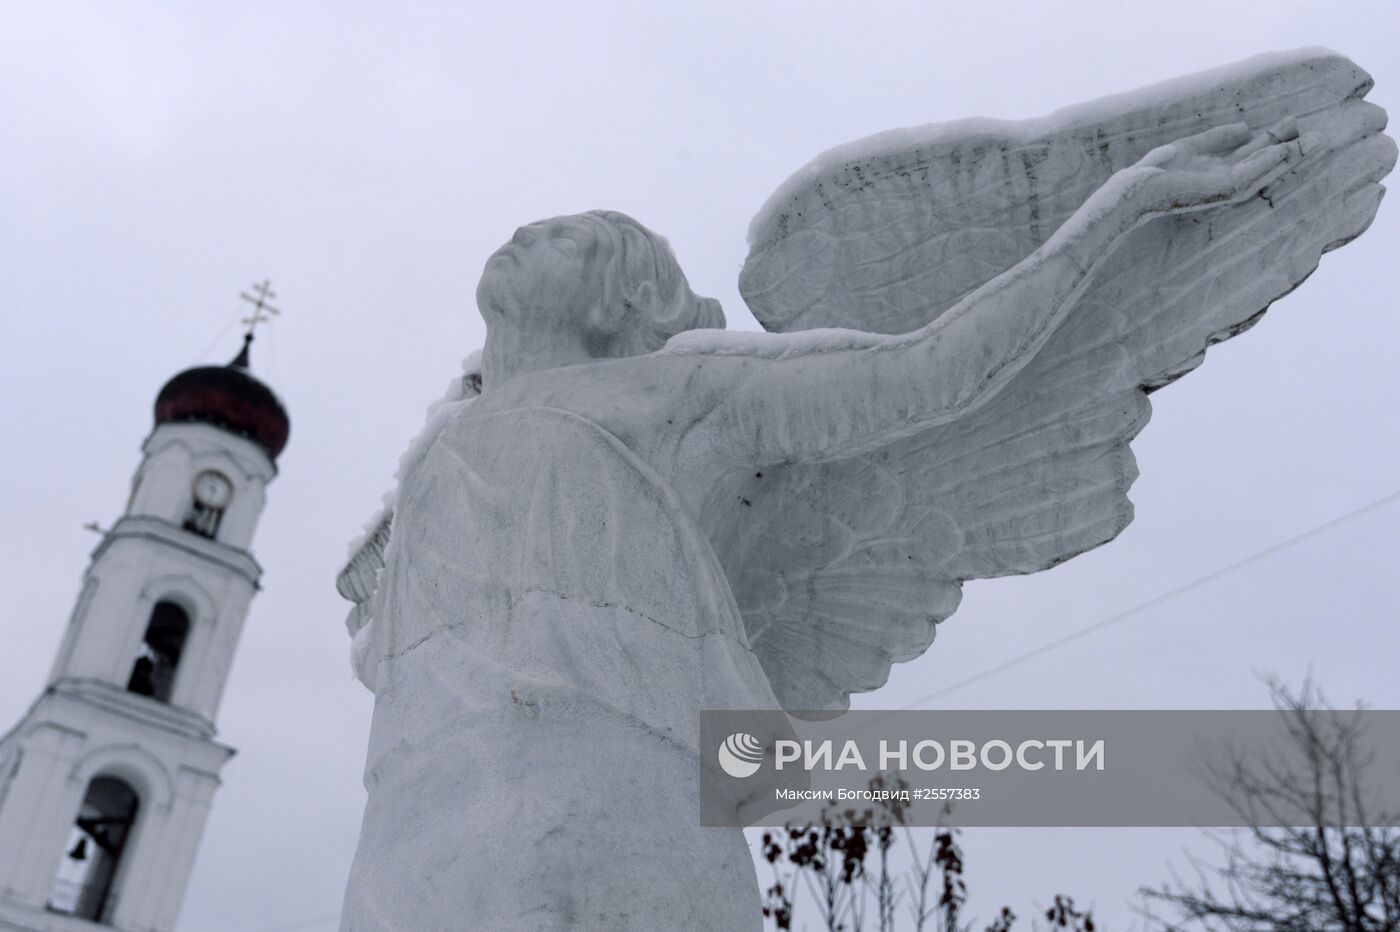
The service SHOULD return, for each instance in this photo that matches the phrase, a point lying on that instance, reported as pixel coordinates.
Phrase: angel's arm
(826, 394)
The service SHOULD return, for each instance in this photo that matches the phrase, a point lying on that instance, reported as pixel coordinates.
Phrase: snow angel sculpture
(642, 516)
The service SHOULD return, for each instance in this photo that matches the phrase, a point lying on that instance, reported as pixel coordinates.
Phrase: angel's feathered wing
(860, 558)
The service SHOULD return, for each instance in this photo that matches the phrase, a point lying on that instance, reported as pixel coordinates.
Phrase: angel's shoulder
(759, 345)
(623, 395)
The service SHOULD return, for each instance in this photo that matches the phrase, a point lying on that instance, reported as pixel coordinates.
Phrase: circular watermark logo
(740, 755)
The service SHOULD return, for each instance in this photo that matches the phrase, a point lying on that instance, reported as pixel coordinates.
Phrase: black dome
(227, 397)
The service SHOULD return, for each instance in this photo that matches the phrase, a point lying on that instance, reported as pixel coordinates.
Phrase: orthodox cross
(261, 308)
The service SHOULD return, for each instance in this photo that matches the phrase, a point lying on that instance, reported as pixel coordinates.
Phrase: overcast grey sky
(157, 158)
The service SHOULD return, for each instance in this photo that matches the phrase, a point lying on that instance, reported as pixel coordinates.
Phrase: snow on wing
(861, 557)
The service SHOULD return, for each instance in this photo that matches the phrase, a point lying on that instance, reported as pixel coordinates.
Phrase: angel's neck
(509, 354)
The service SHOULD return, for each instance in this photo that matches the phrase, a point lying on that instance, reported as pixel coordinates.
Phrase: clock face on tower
(212, 489)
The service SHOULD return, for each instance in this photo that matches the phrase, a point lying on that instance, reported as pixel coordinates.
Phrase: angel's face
(545, 265)
(534, 295)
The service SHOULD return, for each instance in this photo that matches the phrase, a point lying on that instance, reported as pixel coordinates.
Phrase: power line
(1196, 583)
(222, 333)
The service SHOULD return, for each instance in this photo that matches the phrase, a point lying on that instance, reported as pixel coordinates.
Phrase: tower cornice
(145, 527)
(166, 717)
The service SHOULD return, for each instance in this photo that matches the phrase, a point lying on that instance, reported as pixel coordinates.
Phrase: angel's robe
(548, 625)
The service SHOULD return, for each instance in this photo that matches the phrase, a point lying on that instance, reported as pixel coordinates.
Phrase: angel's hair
(631, 257)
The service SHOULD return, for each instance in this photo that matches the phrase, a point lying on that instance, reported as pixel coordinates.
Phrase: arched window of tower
(212, 493)
(153, 673)
(85, 886)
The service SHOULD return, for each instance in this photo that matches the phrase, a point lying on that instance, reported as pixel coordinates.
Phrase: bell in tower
(106, 782)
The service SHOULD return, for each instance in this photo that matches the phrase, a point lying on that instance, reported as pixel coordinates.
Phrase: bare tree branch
(1338, 873)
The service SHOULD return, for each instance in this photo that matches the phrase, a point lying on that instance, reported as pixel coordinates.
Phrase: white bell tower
(106, 782)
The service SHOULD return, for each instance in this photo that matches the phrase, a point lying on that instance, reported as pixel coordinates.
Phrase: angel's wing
(358, 580)
(860, 558)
